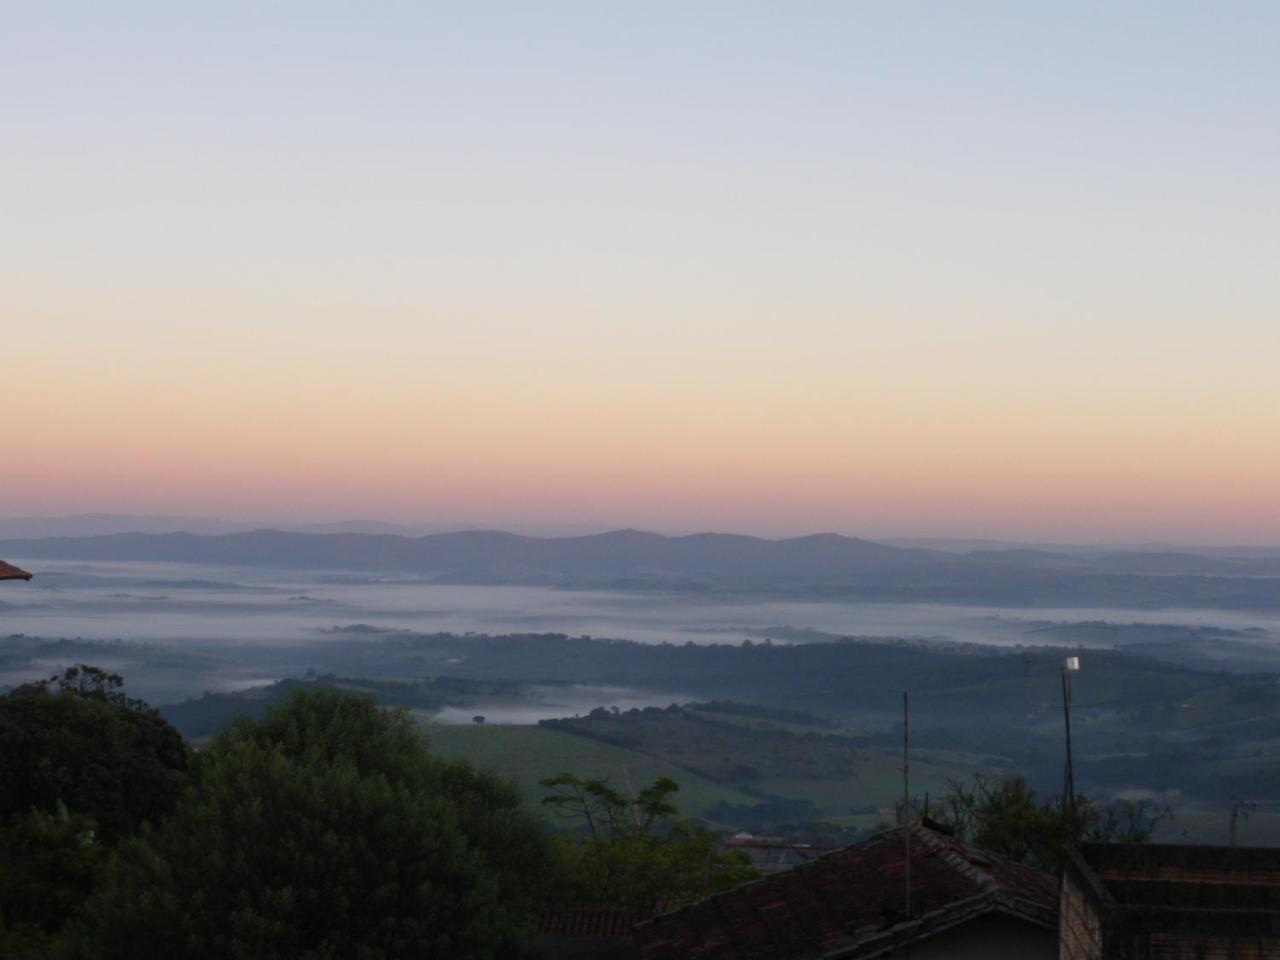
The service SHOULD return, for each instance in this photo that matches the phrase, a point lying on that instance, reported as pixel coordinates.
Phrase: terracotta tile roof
(9, 572)
(850, 903)
(590, 923)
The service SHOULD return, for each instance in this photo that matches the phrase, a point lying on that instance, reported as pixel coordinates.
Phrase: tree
(78, 741)
(1007, 816)
(607, 812)
(93, 683)
(49, 864)
(634, 854)
(324, 831)
(81, 765)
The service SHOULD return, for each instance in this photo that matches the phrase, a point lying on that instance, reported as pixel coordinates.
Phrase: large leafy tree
(631, 852)
(325, 831)
(81, 765)
(49, 864)
(78, 741)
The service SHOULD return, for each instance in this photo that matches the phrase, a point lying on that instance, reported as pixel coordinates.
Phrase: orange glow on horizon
(923, 275)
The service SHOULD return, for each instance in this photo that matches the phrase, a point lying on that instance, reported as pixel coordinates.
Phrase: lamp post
(1069, 666)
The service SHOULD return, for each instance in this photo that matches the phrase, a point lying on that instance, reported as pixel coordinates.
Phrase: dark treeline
(324, 829)
(206, 715)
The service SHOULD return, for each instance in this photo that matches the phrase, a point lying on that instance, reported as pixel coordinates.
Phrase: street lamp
(1069, 666)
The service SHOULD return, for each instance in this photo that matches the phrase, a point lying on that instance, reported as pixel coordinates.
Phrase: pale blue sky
(643, 126)
(985, 222)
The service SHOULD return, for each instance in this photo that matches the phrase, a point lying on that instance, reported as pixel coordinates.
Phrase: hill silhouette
(814, 567)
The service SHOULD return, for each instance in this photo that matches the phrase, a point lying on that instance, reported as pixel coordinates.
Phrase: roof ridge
(946, 851)
(844, 904)
(910, 929)
(973, 856)
(798, 868)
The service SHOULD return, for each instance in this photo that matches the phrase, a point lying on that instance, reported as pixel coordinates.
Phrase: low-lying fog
(230, 628)
(548, 703)
(181, 602)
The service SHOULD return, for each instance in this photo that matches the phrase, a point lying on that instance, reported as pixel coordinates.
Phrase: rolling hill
(818, 566)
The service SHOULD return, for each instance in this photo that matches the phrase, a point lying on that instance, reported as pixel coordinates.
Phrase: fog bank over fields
(1176, 699)
(197, 612)
(172, 602)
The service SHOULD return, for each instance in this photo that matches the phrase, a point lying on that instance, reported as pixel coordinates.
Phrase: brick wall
(1169, 946)
(1079, 926)
(1178, 874)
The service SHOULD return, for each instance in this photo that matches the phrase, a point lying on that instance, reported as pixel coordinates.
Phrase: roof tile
(848, 896)
(9, 572)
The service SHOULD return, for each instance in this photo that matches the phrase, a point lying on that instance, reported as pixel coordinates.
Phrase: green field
(757, 723)
(527, 754)
(878, 783)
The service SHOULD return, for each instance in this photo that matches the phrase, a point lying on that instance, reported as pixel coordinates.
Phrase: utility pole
(1069, 666)
(906, 795)
(1236, 804)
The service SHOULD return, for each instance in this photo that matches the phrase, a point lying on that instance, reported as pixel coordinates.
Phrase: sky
(980, 269)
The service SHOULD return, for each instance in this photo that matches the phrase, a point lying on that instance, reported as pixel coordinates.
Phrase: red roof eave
(9, 572)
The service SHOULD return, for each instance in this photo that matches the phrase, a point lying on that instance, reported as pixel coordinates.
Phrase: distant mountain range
(823, 565)
(102, 524)
(620, 553)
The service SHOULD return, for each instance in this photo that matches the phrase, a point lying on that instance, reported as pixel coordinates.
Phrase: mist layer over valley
(590, 651)
(220, 609)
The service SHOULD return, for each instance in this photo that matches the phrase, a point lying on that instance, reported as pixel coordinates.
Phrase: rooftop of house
(772, 854)
(605, 922)
(9, 572)
(589, 934)
(1184, 892)
(852, 903)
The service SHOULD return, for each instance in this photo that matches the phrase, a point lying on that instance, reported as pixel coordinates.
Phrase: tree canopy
(324, 831)
(1007, 816)
(81, 765)
(77, 740)
(633, 854)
